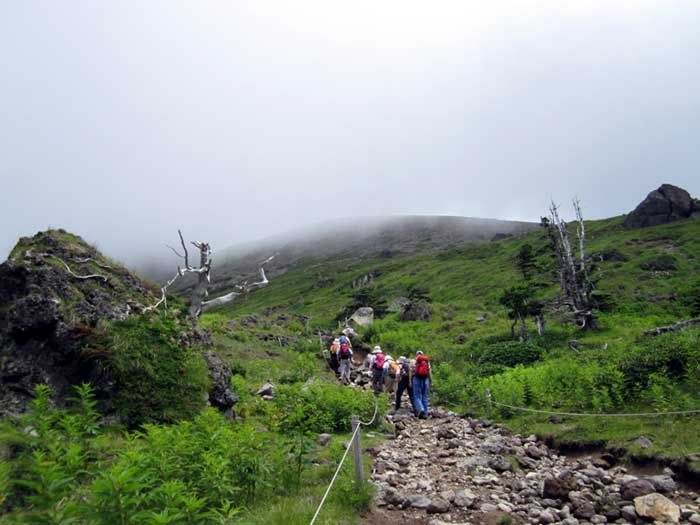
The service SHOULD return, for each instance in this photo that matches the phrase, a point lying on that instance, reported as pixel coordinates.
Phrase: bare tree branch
(240, 289)
(71, 272)
(184, 250)
(175, 251)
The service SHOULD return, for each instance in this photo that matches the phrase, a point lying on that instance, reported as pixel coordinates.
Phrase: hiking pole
(357, 450)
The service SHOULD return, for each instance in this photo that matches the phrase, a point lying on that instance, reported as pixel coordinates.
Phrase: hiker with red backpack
(344, 354)
(421, 379)
(376, 365)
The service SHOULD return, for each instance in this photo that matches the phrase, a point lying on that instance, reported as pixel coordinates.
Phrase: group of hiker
(394, 377)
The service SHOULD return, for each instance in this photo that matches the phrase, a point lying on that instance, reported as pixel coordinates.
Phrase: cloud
(234, 121)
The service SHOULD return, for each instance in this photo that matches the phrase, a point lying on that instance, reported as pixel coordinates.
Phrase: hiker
(376, 365)
(333, 357)
(403, 382)
(421, 379)
(344, 355)
(391, 368)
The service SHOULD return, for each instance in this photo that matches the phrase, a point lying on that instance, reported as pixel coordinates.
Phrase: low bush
(510, 353)
(321, 407)
(63, 468)
(562, 383)
(158, 378)
(671, 355)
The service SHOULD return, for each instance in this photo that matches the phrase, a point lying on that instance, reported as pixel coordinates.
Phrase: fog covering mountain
(355, 239)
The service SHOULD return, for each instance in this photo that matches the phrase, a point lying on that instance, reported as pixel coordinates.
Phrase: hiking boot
(422, 415)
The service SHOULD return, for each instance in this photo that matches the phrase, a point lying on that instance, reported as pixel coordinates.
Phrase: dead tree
(200, 290)
(240, 289)
(574, 274)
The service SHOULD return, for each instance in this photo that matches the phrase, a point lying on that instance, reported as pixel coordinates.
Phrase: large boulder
(636, 488)
(657, 507)
(666, 204)
(61, 303)
(559, 487)
(362, 317)
(416, 311)
(55, 292)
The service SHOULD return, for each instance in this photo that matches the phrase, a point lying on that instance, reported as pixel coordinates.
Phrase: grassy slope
(464, 284)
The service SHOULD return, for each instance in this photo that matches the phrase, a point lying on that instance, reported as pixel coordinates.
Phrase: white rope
(337, 471)
(373, 417)
(619, 414)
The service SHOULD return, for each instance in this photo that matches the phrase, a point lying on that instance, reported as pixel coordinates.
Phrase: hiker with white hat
(376, 365)
(391, 369)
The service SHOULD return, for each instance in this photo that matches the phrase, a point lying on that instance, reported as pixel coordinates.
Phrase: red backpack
(422, 366)
(344, 351)
(379, 361)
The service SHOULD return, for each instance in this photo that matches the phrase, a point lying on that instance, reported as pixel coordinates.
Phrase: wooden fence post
(357, 446)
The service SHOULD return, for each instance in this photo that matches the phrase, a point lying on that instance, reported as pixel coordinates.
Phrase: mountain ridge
(355, 239)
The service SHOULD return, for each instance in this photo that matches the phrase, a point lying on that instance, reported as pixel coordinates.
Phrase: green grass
(465, 283)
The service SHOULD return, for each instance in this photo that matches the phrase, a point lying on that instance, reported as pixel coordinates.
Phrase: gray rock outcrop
(221, 395)
(362, 317)
(666, 204)
(47, 315)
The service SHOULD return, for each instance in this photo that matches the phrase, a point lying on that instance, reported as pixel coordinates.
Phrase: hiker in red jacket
(421, 378)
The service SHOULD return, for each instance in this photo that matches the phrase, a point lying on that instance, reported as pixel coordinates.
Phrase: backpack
(422, 366)
(405, 369)
(379, 361)
(344, 351)
(335, 347)
(393, 369)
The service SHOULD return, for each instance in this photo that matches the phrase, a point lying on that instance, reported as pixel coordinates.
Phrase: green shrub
(559, 383)
(320, 407)
(51, 452)
(159, 379)
(672, 355)
(450, 386)
(198, 471)
(510, 353)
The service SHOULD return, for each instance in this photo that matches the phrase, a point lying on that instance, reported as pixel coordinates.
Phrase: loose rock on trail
(449, 469)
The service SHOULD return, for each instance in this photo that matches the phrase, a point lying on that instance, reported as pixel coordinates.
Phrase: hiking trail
(464, 471)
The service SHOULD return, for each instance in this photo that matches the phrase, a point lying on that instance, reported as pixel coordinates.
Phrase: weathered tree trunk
(574, 274)
(201, 289)
(541, 324)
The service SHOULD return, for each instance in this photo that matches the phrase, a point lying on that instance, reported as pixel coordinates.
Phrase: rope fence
(353, 441)
(490, 401)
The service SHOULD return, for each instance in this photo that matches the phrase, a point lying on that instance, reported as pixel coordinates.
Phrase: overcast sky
(233, 120)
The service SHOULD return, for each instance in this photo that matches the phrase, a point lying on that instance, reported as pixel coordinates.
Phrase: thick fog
(235, 120)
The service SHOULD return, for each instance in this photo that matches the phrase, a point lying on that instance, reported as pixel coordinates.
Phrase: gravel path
(449, 469)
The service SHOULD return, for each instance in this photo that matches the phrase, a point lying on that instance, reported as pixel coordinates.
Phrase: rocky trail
(454, 470)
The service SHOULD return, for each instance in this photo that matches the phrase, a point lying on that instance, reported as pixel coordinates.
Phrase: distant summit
(668, 203)
(357, 239)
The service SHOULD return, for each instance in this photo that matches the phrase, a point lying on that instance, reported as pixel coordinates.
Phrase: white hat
(389, 358)
(377, 349)
(419, 352)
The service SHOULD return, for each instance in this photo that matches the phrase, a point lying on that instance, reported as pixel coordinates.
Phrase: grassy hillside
(651, 276)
